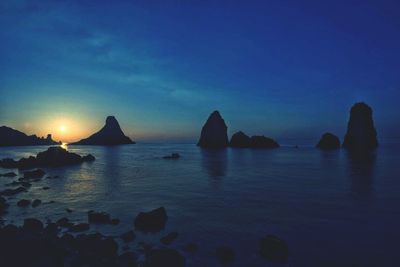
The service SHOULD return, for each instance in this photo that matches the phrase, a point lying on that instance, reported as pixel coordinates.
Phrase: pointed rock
(110, 134)
(240, 139)
(361, 133)
(214, 132)
(329, 141)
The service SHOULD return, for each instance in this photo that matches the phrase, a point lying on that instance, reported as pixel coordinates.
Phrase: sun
(62, 128)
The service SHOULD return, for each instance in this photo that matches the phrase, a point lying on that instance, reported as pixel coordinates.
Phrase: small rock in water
(12, 192)
(172, 156)
(152, 221)
(23, 203)
(225, 255)
(32, 224)
(64, 222)
(68, 210)
(274, 249)
(80, 227)
(45, 188)
(38, 173)
(128, 236)
(166, 240)
(36, 203)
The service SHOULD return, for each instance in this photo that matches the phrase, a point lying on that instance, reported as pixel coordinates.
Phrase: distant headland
(12, 137)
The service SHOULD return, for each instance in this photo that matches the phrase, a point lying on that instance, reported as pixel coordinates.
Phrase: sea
(331, 208)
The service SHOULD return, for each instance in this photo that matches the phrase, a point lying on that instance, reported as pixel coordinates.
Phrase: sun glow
(62, 128)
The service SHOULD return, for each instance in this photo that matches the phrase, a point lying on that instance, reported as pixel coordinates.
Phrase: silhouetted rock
(274, 249)
(128, 236)
(33, 225)
(164, 257)
(64, 222)
(361, 134)
(166, 240)
(38, 173)
(80, 227)
(3, 205)
(172, 156)
(11, 137)
(262, 142)
(240, 139)
(36, 203)
(110, 134)
(225, 255)
(152, 221)
(8, 174)
(99, 217)
(329, 141)
(214, 132)
(12, 192)
(23, 203)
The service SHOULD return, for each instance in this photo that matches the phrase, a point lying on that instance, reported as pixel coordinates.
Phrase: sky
(284, 69)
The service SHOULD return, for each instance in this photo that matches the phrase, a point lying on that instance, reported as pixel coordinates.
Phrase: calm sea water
(332, 209)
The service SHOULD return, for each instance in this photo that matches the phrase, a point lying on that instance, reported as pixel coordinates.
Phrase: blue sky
(285, 69)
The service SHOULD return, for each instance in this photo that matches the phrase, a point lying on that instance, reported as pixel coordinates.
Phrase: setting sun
(62, 128)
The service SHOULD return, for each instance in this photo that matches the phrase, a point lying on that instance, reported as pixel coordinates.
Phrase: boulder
(169, 238)
(23, 203)
(36, 203)
(38, 173)
(240, 140)
(328, 142)
(110, 134)
(152, 221)
(361, 134)
(128, 236)
(214, 132)
(3, 205)
(164, 257)
(32, 225)
(225, 255)
(99, 217)
(274, 249)
(262, 142)
(12, 192)
(64, 222)
(80, 227)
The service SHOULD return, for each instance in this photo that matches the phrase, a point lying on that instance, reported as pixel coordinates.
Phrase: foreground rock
(3, 205)
(11, 137)
(52, 157)
(274, 249)
(240, 140)
(169, 238)
(214, 132)
(262, 142)
(361, 134)
(8, 174)
(152, 221)
(328, 142)
(101, 218)
(164, 257)
(110, 134)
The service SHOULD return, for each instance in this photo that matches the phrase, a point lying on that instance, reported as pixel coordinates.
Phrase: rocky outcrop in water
(52, 157)
(110, 134)
(152, 221)
(328, 142)
(361, 134)
(214, 132)
(240, 139)
(12, 137)
(258, 141)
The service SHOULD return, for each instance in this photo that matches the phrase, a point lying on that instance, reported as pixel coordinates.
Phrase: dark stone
(8, 163)
(22, 183)
(152, 221)
(36, 203)
(45, 188)
(128, 236)
(240, 140)
(164, 257)
(64, 222)
(329, 141)
(172, 156)
(3, 205)
(27, 163)
(12, 192)
(32, 225)
(23, 203)
(262, 142)
(191, 248)
(98, 217)
(51, 229)
(80, 227)
(38, 173)
(361, 134)
(127, 259)
(274, 249)
(8, 174)
(110, 134)
(225, 255)
(68, 210)
(11, 137)
(214, 132)
(88, 158)
(114, 221)
(166, 240)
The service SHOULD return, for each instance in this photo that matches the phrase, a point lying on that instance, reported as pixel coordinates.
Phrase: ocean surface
(332, 209)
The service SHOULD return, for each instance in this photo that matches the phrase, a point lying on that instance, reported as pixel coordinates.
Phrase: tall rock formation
(214, 132)
(11, 137)
(361, 133)
(328, 141)
(110, 134)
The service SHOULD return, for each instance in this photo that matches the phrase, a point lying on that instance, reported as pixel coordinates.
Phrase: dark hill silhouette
(12, 137)
(110, 134)
(214, 132)
(361, 133)
(240, 139)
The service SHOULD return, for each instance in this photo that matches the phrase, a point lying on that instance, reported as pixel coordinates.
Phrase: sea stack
(361, 133)
(328, 142)
(110, 134)
(214, 132)
(240, 139)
